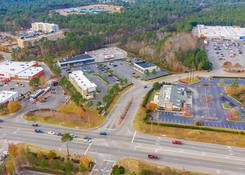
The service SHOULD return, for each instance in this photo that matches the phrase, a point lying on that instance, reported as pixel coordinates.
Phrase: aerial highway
(123, 141)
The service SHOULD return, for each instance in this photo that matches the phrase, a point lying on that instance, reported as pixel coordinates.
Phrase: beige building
(44, 27)
(83, 84)
(29, 41)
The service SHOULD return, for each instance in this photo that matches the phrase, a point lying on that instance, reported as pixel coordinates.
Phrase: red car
(177, 142)
(154, 157)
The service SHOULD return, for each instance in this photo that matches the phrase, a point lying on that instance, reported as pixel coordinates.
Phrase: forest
(147, 21)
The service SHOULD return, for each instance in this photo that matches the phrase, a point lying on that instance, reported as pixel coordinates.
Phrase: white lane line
(132, 141)
(93, 168)
(108, 160)
(88, 148)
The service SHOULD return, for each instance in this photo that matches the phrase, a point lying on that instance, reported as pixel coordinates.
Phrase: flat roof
(76, 59)
(226, 32)
(144, 64)
(13, 68)
(31, 71)
(82, 81)
(172, 94)
(6, 95)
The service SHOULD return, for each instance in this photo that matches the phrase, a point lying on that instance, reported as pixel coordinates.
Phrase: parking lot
(208, 106)
(220, 51)
(104, 75)
(108, 54)
(21, 87)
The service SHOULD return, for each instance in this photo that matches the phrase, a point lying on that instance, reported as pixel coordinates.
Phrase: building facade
(219, 32)
(143, 66)
(83, 84)
(13, 70)
(7, 96)
(30, 41)
(78, 59)
(44, 27)
(173, 98)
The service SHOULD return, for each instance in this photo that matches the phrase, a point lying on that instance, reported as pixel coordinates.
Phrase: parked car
(38, 131)
(153, 157)
(177, 142)
(103, 133)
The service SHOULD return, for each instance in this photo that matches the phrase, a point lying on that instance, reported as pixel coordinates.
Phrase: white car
(51, 133)
(87, 140)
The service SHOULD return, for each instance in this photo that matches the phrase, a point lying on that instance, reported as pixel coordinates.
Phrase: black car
(38, 131)
(1, 120)
(60, 134)
(35, 125)
(103, 133)
(87, 138)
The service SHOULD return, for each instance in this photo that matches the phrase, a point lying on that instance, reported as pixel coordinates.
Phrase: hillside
(163, 48)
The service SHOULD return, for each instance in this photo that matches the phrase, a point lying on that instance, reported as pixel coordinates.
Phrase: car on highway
(103, 133)
(153, 157)
(177, 142)
(59, 134)
(51, 133)
(35, 124)
(1, 120)
(73, 135)
(38, 131)
(87, 138)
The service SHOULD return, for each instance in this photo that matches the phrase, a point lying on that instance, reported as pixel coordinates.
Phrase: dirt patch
(57, 115)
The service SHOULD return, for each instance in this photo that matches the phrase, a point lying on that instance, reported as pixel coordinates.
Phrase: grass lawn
(221, 84)
(226, 106)
(188, 134)
(190, 81)
(68, 115)
(141, 167)
(116, 98)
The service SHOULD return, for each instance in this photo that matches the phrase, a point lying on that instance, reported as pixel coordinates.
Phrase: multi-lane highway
(123, 141)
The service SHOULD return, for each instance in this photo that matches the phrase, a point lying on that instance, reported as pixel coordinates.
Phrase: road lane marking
(91, 173)
(132, 141)
(88, 148)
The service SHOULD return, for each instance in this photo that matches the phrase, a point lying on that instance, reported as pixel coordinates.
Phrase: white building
(44, 27)
(220, 32)
(172, 97)
(143, 66)
(20, 70)
(7, 96)
(83, 84)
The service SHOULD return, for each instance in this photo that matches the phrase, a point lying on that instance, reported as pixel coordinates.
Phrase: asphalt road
(123, 141)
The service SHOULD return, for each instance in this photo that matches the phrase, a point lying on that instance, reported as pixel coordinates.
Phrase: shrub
(117, 170)
(51, 154)
(147, 97)
(68, 166)
(13, 106)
